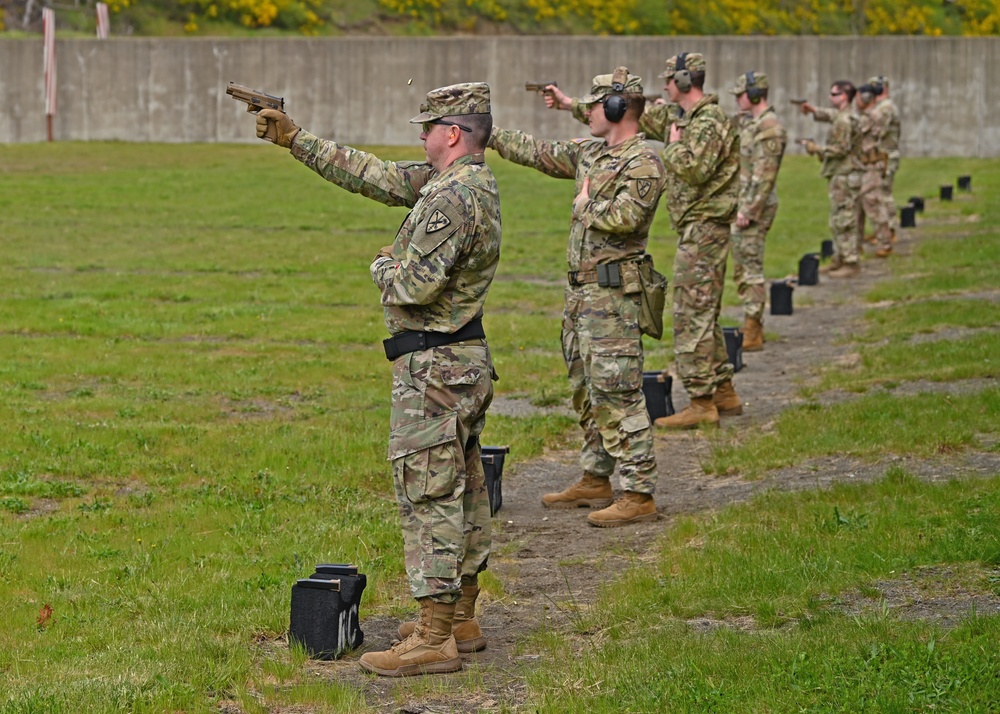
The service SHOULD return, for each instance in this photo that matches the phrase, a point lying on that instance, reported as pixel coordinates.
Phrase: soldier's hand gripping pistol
(278, 128)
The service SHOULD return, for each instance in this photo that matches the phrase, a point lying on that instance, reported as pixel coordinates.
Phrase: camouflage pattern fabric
(888, 117)
(825, 115)
(701, 359)
(602, 344)
(439, 402)
(844, 190)
(841, 153)
(871, 198)
(703, 166)
(748, 262)
(625, 186)
(602, 347)
(762, 145)
(703, 169)
(841, 157)
(443, 261)
(455, 100)
(656, 120)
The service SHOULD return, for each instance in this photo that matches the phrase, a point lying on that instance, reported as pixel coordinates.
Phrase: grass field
(197, 407)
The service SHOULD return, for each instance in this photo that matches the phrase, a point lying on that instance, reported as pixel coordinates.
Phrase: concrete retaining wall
(356, 89)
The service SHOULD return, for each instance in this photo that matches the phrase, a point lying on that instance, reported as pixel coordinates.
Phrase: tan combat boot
(834, 264)
(430, 648)
(727, 402)
(884, 252)
(632, 507)
(701, 412)
(871, 238)
(589, 492)
(465, 627)
(753, 335)
(847, 270)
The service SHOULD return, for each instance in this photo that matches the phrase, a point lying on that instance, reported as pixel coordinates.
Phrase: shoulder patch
(437, 221)
(643, 186)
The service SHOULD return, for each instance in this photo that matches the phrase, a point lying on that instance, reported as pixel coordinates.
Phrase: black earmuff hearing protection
(878, 85)
(615, 105)
(682, 77)
(754, 93)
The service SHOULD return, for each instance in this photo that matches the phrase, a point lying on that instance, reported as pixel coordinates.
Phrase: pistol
(256, 101)
(538, 86)
(800, 102)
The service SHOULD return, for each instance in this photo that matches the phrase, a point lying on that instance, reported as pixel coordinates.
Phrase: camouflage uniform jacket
(446, 251)
(656, 120)
(625, 186)
(762, 145)
(870, 136)
(888, 116)
(842, 152)
(703, 166)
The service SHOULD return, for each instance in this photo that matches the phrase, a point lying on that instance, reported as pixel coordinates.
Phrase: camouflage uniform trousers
(872, 204)
(700, 355)
(439, 402)
(602, 347)
(890, 202)
(844, 190)
(748, 262)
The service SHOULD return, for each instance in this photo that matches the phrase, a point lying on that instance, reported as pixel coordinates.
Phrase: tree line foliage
(425, 17)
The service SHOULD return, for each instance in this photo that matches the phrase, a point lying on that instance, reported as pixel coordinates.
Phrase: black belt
(412, 341)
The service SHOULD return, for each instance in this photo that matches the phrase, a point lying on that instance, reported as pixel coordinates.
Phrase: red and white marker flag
(103, 21)
(49, 64)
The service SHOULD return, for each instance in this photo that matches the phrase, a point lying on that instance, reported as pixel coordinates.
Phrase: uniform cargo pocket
(615, 364)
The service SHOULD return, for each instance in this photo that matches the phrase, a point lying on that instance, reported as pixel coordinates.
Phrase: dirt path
(551, 562)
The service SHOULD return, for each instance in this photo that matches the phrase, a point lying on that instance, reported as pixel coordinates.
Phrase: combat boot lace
(632, 507)
(727, 402)
(465, 628)
(429, 649)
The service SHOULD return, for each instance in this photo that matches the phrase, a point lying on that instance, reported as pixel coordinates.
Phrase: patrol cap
(693, 62)
(603, 85)
(455, 100)
(760, 82)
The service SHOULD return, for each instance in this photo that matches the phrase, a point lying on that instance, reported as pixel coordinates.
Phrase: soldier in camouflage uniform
(874, 163)
(433, 279)
(619, 178)
(762, 145)
(886, 116)
(841, 157)
(702, 159)
(702, 163)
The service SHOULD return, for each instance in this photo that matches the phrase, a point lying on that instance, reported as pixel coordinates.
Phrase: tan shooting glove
(280, 124)
(811, 147)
